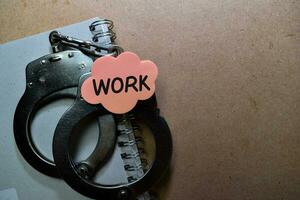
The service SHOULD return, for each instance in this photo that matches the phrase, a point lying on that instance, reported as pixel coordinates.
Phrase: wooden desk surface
(228, 85)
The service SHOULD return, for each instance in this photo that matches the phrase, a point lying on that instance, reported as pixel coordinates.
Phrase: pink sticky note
(118, 83)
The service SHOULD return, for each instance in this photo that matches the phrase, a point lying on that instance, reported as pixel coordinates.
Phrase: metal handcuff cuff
(49, 78)
(79, 177)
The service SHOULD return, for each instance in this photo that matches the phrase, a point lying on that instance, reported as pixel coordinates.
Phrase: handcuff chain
(88, 47)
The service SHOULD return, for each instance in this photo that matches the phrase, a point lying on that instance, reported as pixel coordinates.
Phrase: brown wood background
(228, 85)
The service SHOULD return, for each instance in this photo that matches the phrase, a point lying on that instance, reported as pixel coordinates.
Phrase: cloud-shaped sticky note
(118, 83)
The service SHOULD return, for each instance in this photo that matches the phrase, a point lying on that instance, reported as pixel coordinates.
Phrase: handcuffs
(60, 75)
